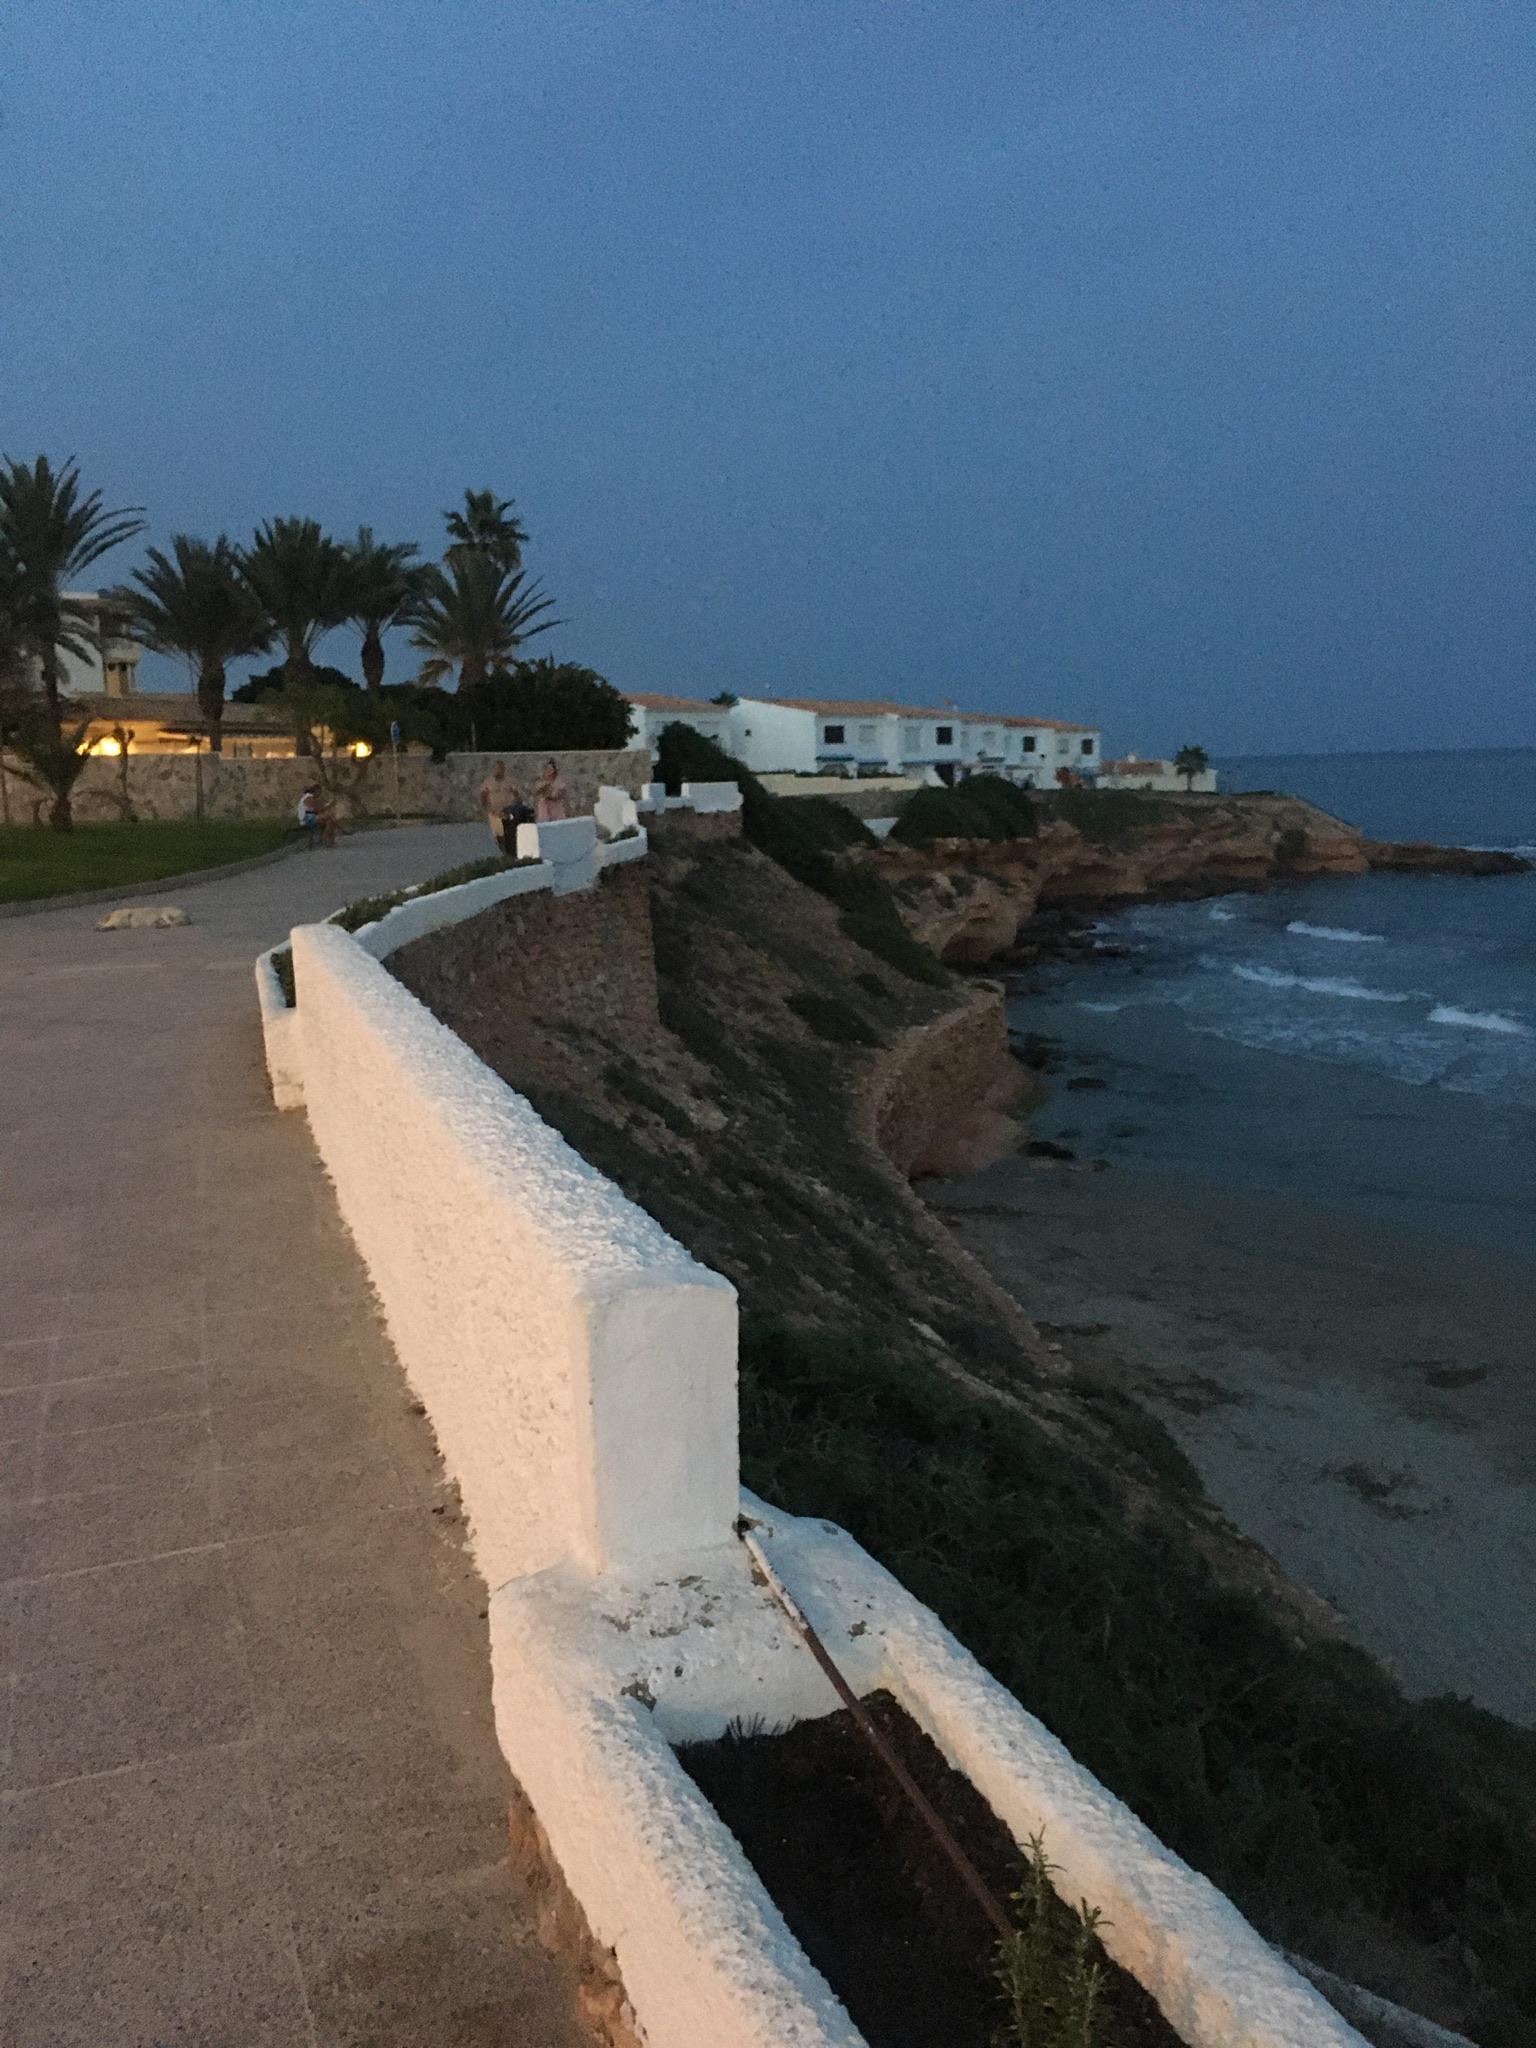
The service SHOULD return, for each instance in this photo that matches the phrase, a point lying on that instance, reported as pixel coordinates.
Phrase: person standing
(551, 798)
(498, 793)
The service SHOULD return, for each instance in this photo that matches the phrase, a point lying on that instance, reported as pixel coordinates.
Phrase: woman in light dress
(551, 798)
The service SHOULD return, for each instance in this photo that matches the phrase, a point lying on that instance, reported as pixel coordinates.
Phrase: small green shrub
(1050, 1971)
(874, 986)
(369, 909)
(832, 1018)
(282, 967)
(981, 807)
(1292, 845)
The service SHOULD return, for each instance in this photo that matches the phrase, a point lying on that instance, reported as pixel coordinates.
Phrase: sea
(1362, 1042)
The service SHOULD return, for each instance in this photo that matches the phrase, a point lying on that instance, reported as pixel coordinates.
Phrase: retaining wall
(578, 1366)
(165, 785)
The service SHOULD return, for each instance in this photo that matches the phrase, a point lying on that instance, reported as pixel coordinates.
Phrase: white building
(650, 715)
(111, 668)
(844, 736)
(1132, 772)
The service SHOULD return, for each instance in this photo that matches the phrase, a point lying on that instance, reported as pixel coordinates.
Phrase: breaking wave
(1321, 985)
(1478, 1020)
(1342, 933)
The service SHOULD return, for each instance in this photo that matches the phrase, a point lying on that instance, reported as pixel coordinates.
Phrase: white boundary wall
(579, 1370)
(578, 1366)
(279, 1036)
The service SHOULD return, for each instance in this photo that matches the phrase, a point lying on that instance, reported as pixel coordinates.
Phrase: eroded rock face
(967, 898)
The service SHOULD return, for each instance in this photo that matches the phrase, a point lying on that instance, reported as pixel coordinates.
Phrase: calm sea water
(1367, 1042)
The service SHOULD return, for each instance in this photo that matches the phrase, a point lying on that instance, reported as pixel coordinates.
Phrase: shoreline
(1355, 1396)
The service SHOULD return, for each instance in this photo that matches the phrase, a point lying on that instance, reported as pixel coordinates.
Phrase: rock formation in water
(968, 898)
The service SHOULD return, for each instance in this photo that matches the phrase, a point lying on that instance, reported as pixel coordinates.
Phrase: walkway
(249, 1789)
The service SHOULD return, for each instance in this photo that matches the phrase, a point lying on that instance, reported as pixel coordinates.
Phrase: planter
(880, 1910)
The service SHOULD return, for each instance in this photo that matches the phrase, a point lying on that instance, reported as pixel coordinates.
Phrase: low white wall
(279, 1036)
(578, 1366)
(419, 915)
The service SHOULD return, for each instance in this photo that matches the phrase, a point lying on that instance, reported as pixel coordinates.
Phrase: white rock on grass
(147, 919)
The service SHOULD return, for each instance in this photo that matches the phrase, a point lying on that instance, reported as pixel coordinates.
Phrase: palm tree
(302, 580)
(49, 758)
(385, 583)
(195, 603)
(1190, 762)
(472, 616)
(487, 526)
(50, 534)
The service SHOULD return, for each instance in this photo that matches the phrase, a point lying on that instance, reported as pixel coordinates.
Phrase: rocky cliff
(968, 898)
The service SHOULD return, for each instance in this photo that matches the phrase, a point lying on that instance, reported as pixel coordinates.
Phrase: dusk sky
(1165, 366)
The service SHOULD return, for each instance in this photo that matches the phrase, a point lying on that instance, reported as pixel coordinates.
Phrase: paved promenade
(249, 1791)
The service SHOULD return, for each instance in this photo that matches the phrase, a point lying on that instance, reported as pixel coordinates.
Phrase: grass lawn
(36, 861)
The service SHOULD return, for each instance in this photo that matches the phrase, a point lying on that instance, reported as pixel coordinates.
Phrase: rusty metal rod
(980, 1890)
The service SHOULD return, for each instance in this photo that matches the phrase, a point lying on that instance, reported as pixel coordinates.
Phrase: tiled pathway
(249, 1791)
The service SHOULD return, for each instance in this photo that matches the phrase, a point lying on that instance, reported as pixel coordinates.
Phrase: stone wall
(939, 1100)
(165, 785)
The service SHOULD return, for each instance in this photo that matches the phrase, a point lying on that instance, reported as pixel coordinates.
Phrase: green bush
(981, 807)
(832, 1018)
(282, 967)
(369, 909)
(1298, 1778)
(545, 706)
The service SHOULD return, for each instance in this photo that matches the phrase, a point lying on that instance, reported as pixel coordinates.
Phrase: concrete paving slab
(249, 1786)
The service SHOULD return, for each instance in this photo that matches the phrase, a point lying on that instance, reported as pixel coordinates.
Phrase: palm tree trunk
(61, 814)
(51, 688)
(373, 661)
(472, 671)
(210, 701)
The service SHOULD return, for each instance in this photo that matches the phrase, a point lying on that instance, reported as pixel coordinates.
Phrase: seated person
(313, 819)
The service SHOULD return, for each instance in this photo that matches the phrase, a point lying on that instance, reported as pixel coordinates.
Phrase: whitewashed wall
(578, 1366)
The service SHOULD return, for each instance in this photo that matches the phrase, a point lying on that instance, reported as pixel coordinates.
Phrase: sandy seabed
(1358, 1399)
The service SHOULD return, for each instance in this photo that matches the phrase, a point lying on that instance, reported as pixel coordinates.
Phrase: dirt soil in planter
(867, 1892)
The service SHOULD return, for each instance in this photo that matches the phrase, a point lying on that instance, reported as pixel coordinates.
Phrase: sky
(1161, 366)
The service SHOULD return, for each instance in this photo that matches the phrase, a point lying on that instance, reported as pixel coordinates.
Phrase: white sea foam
(1341, 933)
(1220, 915)
(1321, 985)
(1478, 1020)
(1102, 1009)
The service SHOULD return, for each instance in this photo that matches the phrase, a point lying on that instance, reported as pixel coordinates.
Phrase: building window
(1029, 743)
(911, 739)
(944, 736)
(1087, 746)
(989, 743)
(832, 735)
(1063, 745)
(866, 735)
